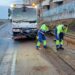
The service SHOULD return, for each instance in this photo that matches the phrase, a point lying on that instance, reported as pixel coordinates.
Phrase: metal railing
(62, 12)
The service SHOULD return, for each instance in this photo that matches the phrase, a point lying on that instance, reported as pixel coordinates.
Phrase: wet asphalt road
(13, 53)
(7, 48)
(5, 36)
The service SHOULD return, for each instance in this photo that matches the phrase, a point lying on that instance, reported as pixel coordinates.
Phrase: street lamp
(34, 5)
(39, 10)
(12, 6)
(10, 11)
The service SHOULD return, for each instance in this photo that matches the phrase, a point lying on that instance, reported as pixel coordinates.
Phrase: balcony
(62, 12)
(46, 2)
(56, 1)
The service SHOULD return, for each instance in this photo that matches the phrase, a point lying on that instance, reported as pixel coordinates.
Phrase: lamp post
(10, 11)
(39, 10)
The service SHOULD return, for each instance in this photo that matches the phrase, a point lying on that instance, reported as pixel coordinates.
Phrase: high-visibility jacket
(44, 28)
(60, 29)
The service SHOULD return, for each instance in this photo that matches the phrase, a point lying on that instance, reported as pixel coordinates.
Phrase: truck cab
(24, 22)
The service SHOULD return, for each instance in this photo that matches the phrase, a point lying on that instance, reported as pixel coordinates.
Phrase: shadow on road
(24, 40)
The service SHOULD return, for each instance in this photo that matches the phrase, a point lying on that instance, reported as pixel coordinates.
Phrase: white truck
(24, 21)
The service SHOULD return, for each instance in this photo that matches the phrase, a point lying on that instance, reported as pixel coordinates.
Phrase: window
(59, 3)
(24, 8)
(48, 7)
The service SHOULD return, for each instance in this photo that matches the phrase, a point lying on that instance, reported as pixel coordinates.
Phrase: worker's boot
(61, 48)
(37, 47)
(57, 47)
(45, 47)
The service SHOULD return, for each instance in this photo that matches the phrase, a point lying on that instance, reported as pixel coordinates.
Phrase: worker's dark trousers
(41, 39)
(59, 40)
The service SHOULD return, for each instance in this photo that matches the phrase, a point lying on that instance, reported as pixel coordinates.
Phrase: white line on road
(6, 61)
(3, 25)
(13, 63)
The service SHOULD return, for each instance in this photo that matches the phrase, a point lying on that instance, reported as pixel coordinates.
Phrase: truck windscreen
(28, 15)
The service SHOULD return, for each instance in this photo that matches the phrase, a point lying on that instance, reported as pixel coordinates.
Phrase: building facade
(56, 3)
(58, 9)
(31, 1)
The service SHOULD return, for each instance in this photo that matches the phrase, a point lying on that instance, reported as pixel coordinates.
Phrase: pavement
(67, 55)
(30, 62)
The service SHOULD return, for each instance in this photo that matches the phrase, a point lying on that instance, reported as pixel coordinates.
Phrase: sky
(4, 5)
(8, 2)
(5, 2)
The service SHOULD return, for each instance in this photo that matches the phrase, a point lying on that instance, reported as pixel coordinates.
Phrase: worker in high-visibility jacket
(60, 30)
(41, 36)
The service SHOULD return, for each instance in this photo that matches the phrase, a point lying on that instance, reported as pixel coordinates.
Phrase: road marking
(13, 63)
(2, 26)
(5, 64)
(8, 63)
